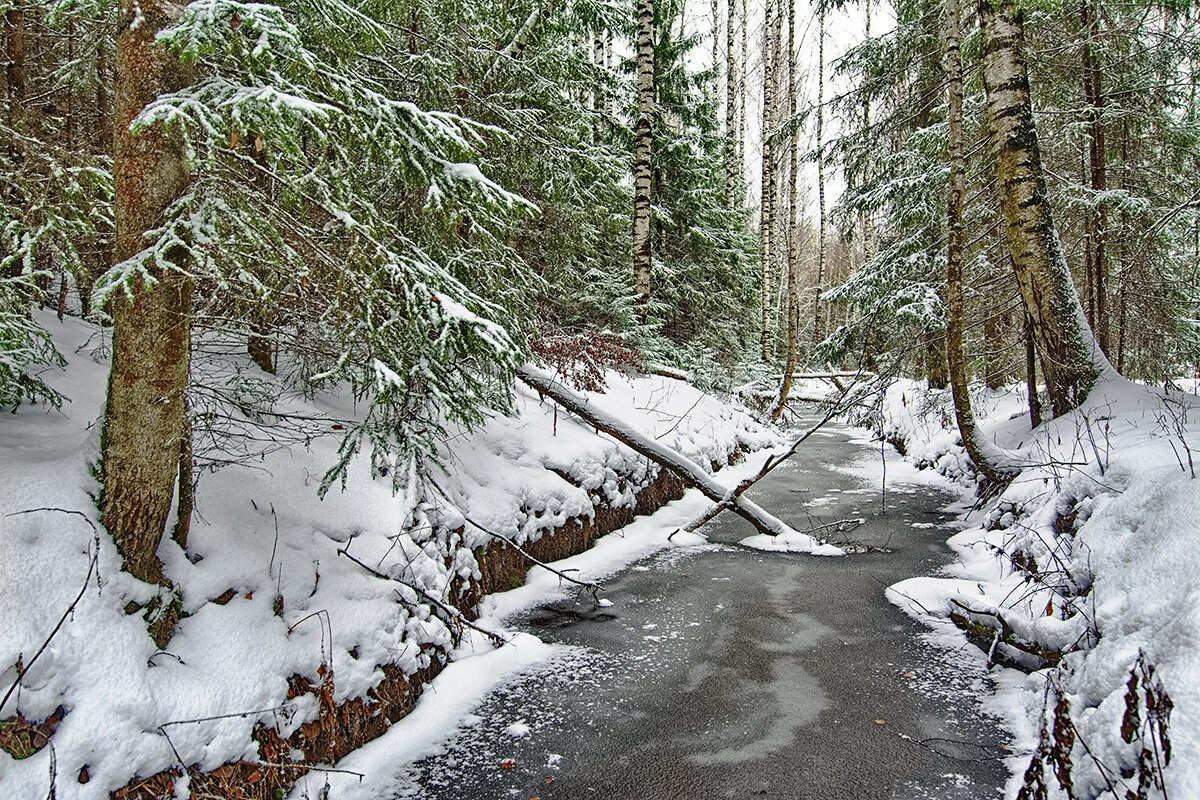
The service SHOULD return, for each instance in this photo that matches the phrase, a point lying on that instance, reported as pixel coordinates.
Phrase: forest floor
(1080, 580)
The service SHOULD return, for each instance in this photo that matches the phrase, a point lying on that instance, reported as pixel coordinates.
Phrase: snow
(1105, 505)
(262, 538)
(518, 729)
(791, 542)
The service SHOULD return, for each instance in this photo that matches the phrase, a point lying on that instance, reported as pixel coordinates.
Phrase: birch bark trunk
(793, 255)
(1071, 359)
(733, 165)
(643, 153)
(816, 337)
(767, 212)
(743, 66)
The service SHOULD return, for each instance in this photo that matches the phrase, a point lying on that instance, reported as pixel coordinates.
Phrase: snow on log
(691, 472)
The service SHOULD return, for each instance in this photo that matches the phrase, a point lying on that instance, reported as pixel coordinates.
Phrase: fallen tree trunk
(691, 472)
(829, 376)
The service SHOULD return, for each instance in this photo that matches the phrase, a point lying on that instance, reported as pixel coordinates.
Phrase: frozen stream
(725, 672)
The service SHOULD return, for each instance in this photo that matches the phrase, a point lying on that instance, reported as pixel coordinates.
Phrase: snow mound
(1090, 553)
(792, 542)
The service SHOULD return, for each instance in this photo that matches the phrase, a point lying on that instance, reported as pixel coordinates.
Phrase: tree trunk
(816, 312)
(936, 365)
(1098, 222)
(1071, 359)
(69, 115)
(145, 413)
(793, 255)
(733, 165)
(103, 116)
(644, 143)
(259, 344)
(959, 383)
(715, 86)
(1031, 384)
(741, 90)
(598, 89)
(520, 41)
(610, 99)
(14, 40)
(994, 374)
(689, 471)
(767, 207)
(102, 258)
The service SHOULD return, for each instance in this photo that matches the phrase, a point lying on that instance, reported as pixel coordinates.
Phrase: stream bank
(725, 672)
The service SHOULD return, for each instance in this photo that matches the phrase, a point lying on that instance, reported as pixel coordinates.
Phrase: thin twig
(770, 464)
(454, 613)
(311, 768)
(21, 673)
(594, 587)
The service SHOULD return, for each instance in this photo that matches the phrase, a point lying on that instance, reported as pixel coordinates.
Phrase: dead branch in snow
(993, 634)
(23, 669)
(589, 585)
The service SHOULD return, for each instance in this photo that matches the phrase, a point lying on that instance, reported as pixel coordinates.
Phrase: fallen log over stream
(691, 472)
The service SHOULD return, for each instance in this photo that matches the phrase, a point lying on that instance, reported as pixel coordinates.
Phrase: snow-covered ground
(263, 544)
(1091, 552)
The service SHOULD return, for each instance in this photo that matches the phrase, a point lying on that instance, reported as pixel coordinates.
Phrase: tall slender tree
(768, 189)
(15, 76)
(820, 158)
(643, 155)
(733, 164)
(955, 246)
(1096, 236)
(792, 237)
(1071, 359)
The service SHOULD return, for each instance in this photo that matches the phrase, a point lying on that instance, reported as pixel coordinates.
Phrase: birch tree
(820, 157)
(733, 163)
(792, 239)
(643, 153)
(1070, 357)
(767, 208)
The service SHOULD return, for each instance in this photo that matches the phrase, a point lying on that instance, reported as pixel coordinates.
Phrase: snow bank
(1091, 552)
(265, 593)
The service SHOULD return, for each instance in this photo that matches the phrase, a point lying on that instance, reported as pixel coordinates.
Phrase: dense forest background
(408, 200)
